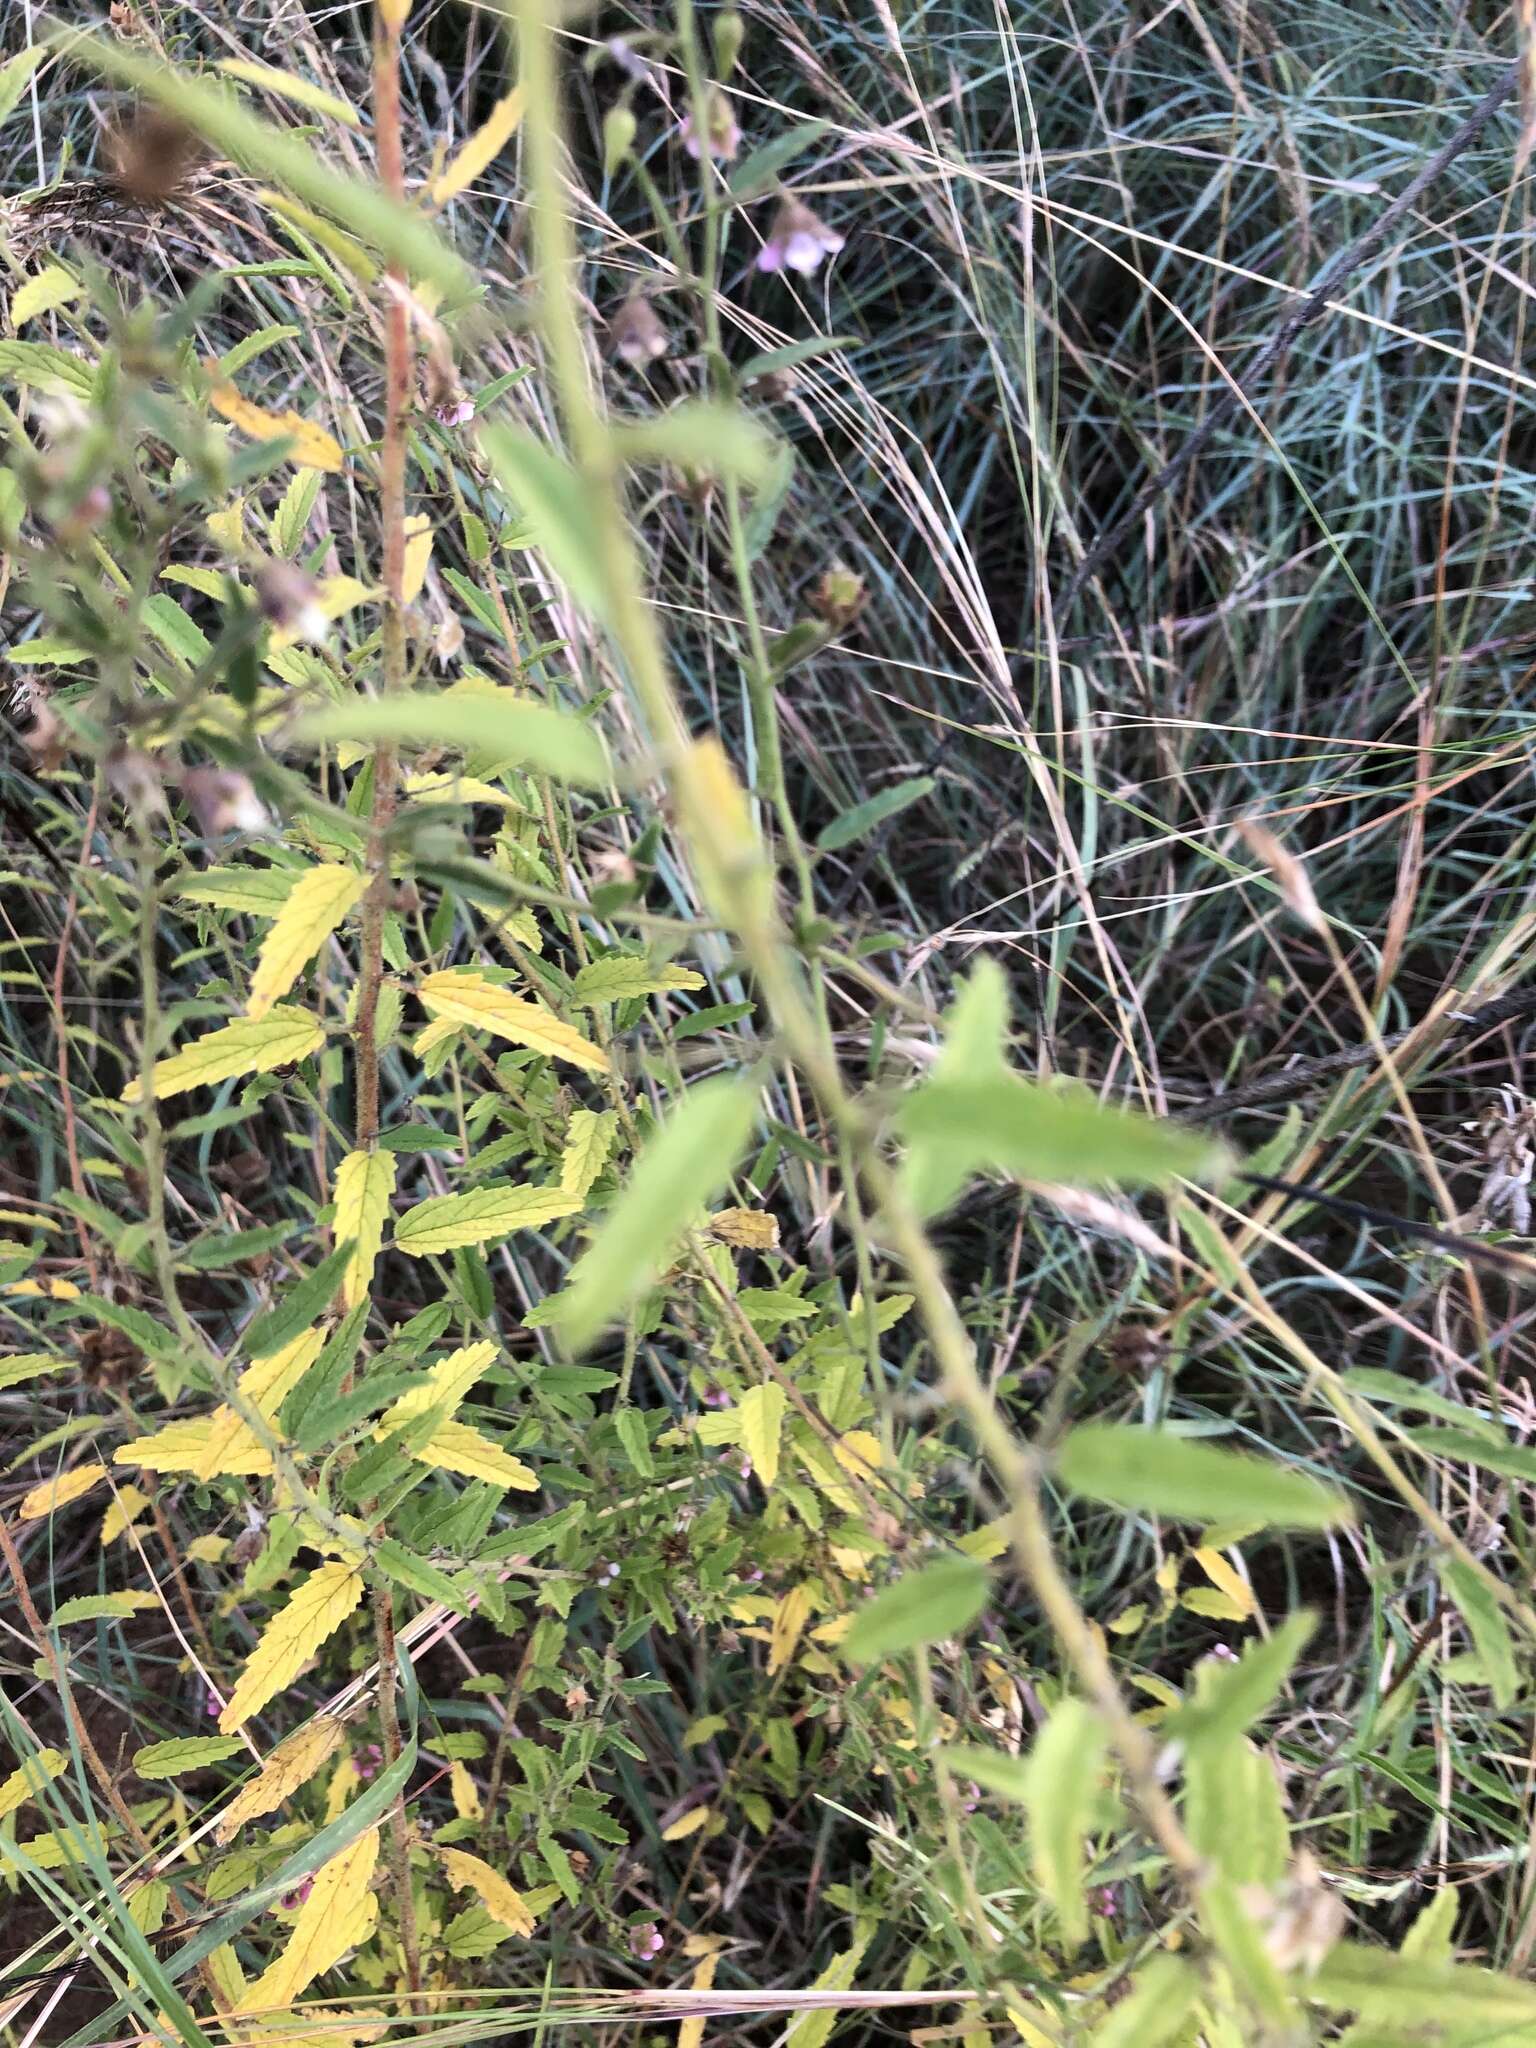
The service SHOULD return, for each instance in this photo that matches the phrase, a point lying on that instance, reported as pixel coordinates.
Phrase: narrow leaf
(1156, 1472)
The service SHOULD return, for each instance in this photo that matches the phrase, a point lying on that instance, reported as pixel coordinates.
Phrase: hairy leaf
(290, 1766)
(316, 1609)
(471, 999)
(365, 1182)
(444, 1222)
(316, 904)
(247, 1046)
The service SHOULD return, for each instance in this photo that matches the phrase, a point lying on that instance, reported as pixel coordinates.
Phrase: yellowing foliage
(316, 1609)
(290, 1766)
(365, 1182)
(340, 1912)
(482, 148)
(500, 1900)
(471, 999)
(315, 905)
(250, 1045)
(313, 447)
(26, 1783)
(58, 1493)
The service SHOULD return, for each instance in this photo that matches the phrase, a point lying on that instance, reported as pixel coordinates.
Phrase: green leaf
(1051, 1134)
(1007, 1776)
(1163, 1993)
(14, 76)
(623, 976)
(682, 1166)
(398, 232)
(1515, 1461)
(556, 505)
(418, 1576)
(45, 293)
(1234, 1812)
(1402, 1991)
(300, 1306)
(853, 824)
(700, 434)
(44, 368)
(260, 892)
(1486, 1626)
(765, 166)
(792, 354)
(636, 1439)
(1061, 1784)
(1157, 1473)
(326, 1422)
(515, 734)
(926, 1606)
(184, 1753)
(101, 1607)
(1230, 1698)
(27, 1365)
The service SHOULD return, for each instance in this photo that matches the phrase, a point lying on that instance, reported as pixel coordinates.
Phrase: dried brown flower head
(151, 155)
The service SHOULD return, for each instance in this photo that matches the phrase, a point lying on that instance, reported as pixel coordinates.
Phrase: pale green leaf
(1155, 1472)
(45, 293)
(938, 1601)
(516, 734)
(1062, 1778)
(686, 1162)
(184, 1753)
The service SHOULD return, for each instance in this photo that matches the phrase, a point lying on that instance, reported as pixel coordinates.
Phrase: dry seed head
(635, 333)
(1290, 876)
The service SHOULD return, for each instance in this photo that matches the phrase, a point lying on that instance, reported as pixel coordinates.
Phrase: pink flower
(646, 1941)
(797, 240)
(368, 1762)
(720, 122)
(454, 412)
(291, 1901)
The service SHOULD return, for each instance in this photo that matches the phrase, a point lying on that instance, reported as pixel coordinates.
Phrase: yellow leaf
(482, 148)
(691, 2033)
(228, 526)
(505, 1905)
(447, 1384)
(444, 1222)
(247, 1046)
(364, 1183)
(691, 1822)
(789, 1619)
(45, 293)
(749, 1230)
(466, 1800)
(588, 1140)
(471, 999)
(231, 1445)
(762, 1423)
(207, 1549)
(343, 2029)
(394, 13)
(448, 786)
(1228, 1581)
(418, 552)
(858, 1452)
(312, 447)
(122, 1514)
(58, 1493)
(26, 1783)
(182, 1446)
(315, 905)
(434, 1034)
(291, 85)
(317, 1609)
(290, 1766)
(340, 1912)
(987, 1542)
(458, 1448)
(333, 599)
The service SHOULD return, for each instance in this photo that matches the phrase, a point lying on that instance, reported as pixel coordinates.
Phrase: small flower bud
(223, 801)
(729, 34)
(720, 126)
(635, 333)
(619, 130)
(839, 597)
(290, 600)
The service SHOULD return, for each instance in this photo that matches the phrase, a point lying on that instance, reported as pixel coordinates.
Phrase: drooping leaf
(471, 999)
(29, 1780)
(1487, 1627)
(852, 825)
(365, 1181)
(249, 1045)
(1061, 1784)
(455, 1447)
(762, 1423)
(307, 443)
(291, 85)
(589, 1139)
(315, 1610)
(290, 1767)
(939, 1600)
(57, 1493)
(505, 1905)
(685, 1163)
(45, 293)
(496, 726)
(315, 906)
(482, 148)
(1051, 1134)
(184, 1753)
(102, 1607)
(556, 510)
(340, 1913)
(622, 976)
(444, 1222)
(1156, 1472)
